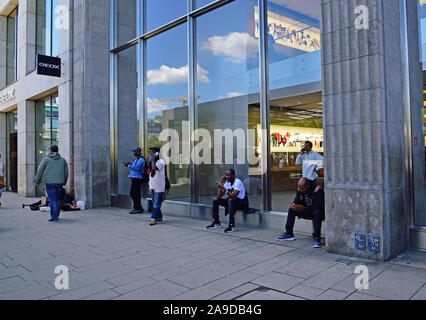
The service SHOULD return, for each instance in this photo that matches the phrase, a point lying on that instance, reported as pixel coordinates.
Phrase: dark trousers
(136, 194)
(317, 216)
(231, 207)
(54, 192)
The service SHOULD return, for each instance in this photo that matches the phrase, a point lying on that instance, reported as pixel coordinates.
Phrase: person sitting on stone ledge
(308, 205)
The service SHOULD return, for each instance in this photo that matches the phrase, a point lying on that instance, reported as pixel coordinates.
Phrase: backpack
(145, 176)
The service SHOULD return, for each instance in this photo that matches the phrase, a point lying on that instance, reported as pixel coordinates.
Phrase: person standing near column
(137, 171)
(53, 172)
(2, 176)
(311, 162)
(157, 184)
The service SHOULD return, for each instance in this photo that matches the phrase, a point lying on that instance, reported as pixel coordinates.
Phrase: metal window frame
(141, 40)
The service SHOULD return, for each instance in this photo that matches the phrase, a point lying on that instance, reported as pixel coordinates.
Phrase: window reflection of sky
(227, 53)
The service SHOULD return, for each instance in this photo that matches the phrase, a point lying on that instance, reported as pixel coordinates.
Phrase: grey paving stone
(268, 295)
(329, 277)
(331, 294)
(229, 295)
(163, 290)
(83, 292)
(232, 281)
(200, 293)
(131, 276)
(390, 287)
(134, 285)
(361, 296)
(278, 281)
(245, 288)
(305, 292)
(421, 294)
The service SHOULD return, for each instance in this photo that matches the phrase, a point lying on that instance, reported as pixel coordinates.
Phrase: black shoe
(214, 226)
(53, 220)
(137, 212)
(230, 229)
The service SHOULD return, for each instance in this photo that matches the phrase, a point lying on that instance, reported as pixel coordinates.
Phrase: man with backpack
(138, 174)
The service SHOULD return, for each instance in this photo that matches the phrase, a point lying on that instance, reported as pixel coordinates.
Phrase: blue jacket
(137, 168)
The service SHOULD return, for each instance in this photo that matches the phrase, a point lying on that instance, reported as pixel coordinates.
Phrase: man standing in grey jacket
(53, 171)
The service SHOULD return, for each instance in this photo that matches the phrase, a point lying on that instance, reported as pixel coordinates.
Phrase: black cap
(136, 149)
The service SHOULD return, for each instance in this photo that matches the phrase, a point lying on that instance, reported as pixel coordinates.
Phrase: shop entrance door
(13, 173)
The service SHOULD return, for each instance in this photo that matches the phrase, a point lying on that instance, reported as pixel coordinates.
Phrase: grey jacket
(52, 170)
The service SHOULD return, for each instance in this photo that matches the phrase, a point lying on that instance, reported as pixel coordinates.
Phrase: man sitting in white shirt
(237, 200)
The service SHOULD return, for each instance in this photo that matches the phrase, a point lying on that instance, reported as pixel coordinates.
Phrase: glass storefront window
(11, 47)
(49, 23)
(12, 151)
(128, 113)
(167, 104)
(422, 26)
(160, 12)
(127, 20)
(47, 130)
(294, 49)
(228, 102)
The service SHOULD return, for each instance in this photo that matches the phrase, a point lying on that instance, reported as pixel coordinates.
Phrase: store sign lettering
(49, 66)
(8, 96)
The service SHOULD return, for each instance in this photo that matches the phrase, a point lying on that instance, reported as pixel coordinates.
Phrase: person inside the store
(311, 162)
(309, 205)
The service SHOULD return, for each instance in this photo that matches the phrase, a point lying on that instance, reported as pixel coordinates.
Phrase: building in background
(284, 70)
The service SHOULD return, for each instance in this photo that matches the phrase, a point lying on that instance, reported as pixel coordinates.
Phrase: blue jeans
(54, 193)
(157, 199)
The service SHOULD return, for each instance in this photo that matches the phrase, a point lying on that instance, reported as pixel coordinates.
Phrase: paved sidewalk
(112, 255)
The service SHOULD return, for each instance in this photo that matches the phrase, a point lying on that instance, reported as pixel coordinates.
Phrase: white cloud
(168, 75)
(236, 46)
(156, 106)
(234, 94)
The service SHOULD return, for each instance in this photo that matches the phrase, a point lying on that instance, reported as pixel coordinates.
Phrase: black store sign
(48, 66)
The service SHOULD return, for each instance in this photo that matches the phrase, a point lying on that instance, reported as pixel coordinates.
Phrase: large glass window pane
(51, 19)
(160, 12)
(12, 151)
(127, 20)
(228, 102)
(294, 42)
(167, 105)
(128, 113)
(12, 29)
(47, 131)
(294, 63)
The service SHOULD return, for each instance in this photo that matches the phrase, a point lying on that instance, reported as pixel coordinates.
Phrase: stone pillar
(22, 39)
(91, 102)
(26, 148)
(3, 28)
(30, 36)
(65, 126)
(364, 130)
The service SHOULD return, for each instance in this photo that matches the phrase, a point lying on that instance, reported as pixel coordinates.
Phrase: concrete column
(364, 130)
(3, 28)
(26, 148)
(91, 102)
(65, 126)
(22, 39)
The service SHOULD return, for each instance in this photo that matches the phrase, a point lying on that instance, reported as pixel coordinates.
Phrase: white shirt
(310, 162)
(1, 169)
(238, 185)
(158, 182)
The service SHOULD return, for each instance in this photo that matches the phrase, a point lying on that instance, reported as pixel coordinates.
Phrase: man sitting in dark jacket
(309, 205)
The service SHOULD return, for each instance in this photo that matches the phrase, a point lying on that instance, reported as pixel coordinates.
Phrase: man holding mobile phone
(236, 200)
(157, 184)
(311, 162)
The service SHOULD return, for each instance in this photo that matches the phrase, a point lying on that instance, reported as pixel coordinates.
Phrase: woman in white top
(2, 175)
